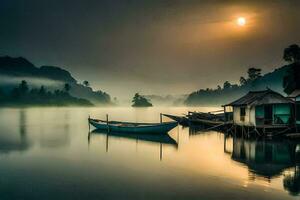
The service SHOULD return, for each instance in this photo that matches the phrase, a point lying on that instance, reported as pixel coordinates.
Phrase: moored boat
(182, 120)
(130, 127)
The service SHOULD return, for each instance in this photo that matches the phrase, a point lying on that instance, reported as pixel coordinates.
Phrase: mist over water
(32, 82)
(47, 153)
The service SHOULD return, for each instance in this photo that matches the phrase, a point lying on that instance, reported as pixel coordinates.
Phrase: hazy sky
(160, 47)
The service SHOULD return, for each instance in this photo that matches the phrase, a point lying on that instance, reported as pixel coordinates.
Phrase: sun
(241, 21)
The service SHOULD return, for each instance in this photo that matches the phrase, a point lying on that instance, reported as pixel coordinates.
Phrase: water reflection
(56, 136)
(268, 159)
(21, 129)
(131, 169)
(162, 139)
(291, 181)
(13, 140)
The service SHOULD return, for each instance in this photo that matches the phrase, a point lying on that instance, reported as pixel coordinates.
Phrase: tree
(226, 85)
(291, 81)
(23, 87)
(140, 101)
(86, 83)
(292, 53)
(243, 81)
(253, 73)
(42, 91)
(67, 87)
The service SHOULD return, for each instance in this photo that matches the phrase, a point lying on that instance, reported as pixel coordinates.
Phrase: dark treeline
(227, 92)
(22, 68)
(284, 79)
(22, 95)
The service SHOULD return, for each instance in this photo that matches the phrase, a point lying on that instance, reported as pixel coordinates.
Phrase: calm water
(47, 153)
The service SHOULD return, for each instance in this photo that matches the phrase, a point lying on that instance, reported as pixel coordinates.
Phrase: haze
(152, 47)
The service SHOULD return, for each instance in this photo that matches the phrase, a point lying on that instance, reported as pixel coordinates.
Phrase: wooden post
(160, 151)
(160, 117)
(295, 115)
(106, 142)
(107, 123)
(89, 124)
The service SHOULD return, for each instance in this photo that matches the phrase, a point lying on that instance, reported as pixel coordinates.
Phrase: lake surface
(48, 153)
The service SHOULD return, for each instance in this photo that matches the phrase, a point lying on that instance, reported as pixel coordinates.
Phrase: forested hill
(229, 92)
(14, 70)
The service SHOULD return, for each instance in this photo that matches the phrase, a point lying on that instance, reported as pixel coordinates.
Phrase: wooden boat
(182, 120)
(130, 127)
(203, 121)
(206, 122)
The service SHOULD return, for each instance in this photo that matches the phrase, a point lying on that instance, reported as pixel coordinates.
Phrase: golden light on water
(241, 21)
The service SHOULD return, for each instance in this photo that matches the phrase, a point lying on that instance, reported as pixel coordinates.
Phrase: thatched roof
(260, 98)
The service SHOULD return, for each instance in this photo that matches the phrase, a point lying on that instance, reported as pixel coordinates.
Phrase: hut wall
(252, 116)
(247, 120)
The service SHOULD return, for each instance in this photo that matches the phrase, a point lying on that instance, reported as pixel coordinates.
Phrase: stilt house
(261, 109)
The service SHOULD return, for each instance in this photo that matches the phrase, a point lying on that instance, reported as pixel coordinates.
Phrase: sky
(151, 46)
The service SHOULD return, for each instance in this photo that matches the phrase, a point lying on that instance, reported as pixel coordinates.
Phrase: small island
(140, 101)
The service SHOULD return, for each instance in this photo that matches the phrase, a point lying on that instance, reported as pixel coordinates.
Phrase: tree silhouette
(67, 87)
(86, 83)
(23, 87)
(243, 81)
(291, 81)
(42, 91)
(226, 85)
(292, 53)
(140, 101)
(253, 73)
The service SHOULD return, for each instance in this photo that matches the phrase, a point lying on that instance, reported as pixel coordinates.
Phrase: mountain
(13, 70)
(220, 96)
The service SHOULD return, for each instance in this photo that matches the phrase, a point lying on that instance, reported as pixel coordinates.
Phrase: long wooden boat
(130, 127)
(206, 122)
(182, 120)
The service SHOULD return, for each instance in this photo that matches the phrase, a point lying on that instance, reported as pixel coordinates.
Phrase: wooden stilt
(107, 142)
(89, 124)
(107, 123)
(160, 117)
(160, 151)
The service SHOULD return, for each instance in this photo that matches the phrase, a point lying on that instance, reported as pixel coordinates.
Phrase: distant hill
(272, 80)
(13, 70)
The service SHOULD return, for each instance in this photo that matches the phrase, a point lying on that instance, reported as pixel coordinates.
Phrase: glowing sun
(241, 21)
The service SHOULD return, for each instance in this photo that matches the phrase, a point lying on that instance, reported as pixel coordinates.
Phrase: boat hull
(135, 127)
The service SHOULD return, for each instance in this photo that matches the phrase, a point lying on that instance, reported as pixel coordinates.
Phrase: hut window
(242, 113)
